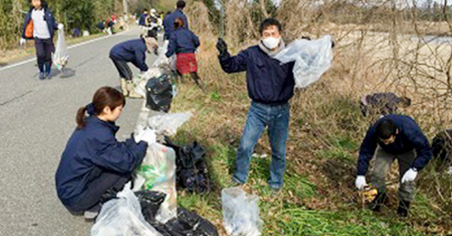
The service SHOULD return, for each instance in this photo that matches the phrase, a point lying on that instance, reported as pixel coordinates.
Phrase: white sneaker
(90, 215)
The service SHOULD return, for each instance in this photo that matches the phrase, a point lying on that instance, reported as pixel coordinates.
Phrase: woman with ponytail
(94, 164)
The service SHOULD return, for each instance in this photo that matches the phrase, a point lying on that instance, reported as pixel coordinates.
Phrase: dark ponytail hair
(105, 96)
(179, 23)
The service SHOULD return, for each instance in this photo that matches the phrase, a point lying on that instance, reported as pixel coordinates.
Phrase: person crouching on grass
(393, 137)
(94, 163)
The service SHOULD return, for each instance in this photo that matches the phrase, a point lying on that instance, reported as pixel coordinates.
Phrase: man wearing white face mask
(270, 87)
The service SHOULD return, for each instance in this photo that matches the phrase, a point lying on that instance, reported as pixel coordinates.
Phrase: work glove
(222, 47)
(410, 175)
(360, 182)
(22, 41)
(146, 135)
(60, 26)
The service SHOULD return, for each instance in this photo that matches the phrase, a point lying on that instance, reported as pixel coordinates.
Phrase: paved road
(36, 120)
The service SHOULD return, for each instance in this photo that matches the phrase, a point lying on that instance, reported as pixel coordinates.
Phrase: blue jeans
(260, 116)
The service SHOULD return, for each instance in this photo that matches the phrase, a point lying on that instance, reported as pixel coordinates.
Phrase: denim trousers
(276, 119)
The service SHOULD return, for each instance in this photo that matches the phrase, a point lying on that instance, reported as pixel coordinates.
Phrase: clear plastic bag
(162, 59)
(61, 55)
(312, 59)
(122, 216)
(168, 123)
(159, 172)
(240, 213)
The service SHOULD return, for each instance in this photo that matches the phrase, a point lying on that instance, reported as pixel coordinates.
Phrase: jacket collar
(272, 54)
(111, 125)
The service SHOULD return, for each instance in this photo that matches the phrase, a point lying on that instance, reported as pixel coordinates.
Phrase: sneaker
(235, 183)
(48, 76)
(91, 214)
(41, 76)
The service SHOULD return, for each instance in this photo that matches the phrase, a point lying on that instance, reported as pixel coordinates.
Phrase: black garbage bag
(159, 93)
(150, 202)
(191, 172)
(187, 224)
(442, 147)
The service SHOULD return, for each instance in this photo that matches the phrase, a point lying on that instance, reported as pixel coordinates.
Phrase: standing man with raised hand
(168, 22)
(40, 25)
(393, 137)
(270, 87)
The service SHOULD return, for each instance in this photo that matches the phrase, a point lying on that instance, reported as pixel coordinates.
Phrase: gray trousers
(382, 165)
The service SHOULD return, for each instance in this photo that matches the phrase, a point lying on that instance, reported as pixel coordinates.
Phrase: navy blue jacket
(409, 137)
(48, 17)
(268, 80)
(93, 149)
(168, 22)
(142, 20)
(133, 51)
(182, 41)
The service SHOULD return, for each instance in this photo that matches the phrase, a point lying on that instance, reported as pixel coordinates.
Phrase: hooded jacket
(48, 17)
(90, 151)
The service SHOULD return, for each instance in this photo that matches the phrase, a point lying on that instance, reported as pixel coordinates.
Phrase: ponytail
(105, 96)
(80, 119)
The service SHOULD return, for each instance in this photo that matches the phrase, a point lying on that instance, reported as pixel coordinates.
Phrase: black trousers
(44, 49)
(123, 69)
(96, 188)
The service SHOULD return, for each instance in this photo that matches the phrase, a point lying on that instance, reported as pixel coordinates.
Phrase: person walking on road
(40, 25)
(270, 87)
(184, 43)
(133, 51)
(168, 22)
(393, 137)
(94, 165)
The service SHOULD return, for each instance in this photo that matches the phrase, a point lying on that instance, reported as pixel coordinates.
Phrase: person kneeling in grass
(393, 137)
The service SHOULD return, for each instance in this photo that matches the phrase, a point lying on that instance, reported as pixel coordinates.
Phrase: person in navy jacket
(184, 43)
(133, 51)
(44, 26)
(168, 21)
(94, 162)
(270, 86)
(393, 137)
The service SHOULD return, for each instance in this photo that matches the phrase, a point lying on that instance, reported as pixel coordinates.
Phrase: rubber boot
(124, 89)
(379, 200)
(131, 89)
(402, 211)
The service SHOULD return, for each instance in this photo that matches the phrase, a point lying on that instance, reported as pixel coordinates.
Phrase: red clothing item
(186, 63)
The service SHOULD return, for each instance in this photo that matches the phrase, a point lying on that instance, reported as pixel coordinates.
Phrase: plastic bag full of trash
(240, 213)
(312, 59)
(157, 172)
(122, 216)
(61, 55)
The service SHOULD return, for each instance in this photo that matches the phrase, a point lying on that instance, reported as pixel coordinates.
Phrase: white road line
(70, 47)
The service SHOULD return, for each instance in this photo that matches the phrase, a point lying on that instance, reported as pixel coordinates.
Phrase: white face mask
(271, 42)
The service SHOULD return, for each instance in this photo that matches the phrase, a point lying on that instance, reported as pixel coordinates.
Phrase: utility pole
(125, 7)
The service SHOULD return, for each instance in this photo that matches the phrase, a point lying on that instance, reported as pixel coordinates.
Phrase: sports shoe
(91, 214)
(41, 76)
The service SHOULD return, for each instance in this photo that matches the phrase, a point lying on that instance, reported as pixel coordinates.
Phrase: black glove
(222, 47)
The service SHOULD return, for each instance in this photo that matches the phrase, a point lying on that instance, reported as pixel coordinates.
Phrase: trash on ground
(312, 59)
(159, 93)
(240, 212)
(122, 216)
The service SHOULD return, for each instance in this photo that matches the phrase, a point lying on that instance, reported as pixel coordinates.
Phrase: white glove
(360, 182)
(146, 135)
(410, 175)
(22, 41)
(60, 26)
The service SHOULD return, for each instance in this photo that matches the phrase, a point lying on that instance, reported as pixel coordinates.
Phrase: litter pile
(61, 55)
